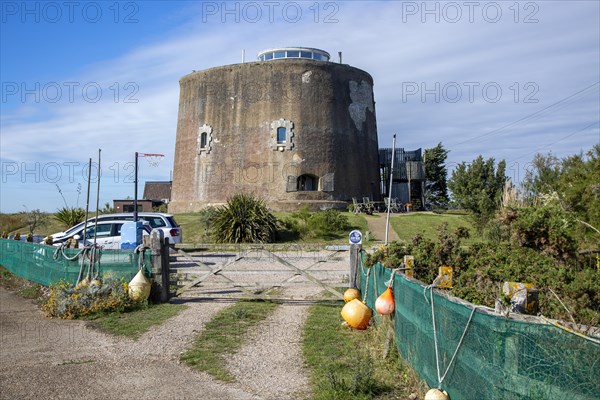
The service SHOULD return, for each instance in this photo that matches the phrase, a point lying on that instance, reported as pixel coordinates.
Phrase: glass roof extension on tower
(293, 52)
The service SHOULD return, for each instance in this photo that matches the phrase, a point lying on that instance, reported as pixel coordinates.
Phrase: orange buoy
(436, 394)
(385, 303)
(139, 287)
(357, 314)
(351, 294)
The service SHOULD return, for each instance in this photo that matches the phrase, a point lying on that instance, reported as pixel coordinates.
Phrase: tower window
(281, 135)
(204, 139)
(307, 183)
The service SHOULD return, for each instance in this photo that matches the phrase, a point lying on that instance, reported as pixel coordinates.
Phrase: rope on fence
(140, 250)
(390, 282)
(367, 284)
(435, 341)
(87, 253)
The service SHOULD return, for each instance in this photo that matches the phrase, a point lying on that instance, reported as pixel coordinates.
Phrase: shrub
(163, 208)
(71, 302)
(303, 214)
(546, 229)
(289, 229)
(207, 216)
(480, 270)
(244, 219)
(70, 216)
(328, 222)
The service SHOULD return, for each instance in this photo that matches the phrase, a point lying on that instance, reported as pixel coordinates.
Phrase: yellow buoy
(357, 314)
(351, 294)
(139, 287)
(436, 394)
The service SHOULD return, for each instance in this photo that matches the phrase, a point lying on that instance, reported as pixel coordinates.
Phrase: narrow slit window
(203, 140)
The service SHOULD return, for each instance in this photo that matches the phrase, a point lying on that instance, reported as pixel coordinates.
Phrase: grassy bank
(409, 225)
(135, 323)
(349, 364)
(22, 287)
(17, 222)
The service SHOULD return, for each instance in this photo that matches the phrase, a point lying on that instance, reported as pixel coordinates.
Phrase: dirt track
(42, 358)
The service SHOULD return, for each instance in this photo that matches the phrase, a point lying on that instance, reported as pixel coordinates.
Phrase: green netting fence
(499, 358)
(42, 264)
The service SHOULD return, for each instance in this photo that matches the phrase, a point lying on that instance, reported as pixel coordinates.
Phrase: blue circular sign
(355, 237)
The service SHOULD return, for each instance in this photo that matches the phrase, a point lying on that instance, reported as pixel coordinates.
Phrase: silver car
(108, 234)
(164, 222)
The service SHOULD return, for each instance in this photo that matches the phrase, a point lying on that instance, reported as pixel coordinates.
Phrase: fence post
(166, 269)
(159, 252)
(354, 266)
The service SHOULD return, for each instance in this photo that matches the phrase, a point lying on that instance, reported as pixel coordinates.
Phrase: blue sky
(502, 79)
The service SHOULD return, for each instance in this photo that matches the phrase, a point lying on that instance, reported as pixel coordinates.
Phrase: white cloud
(558, 56)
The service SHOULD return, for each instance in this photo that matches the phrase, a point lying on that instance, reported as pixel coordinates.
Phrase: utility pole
(135, 191)
(387, 219)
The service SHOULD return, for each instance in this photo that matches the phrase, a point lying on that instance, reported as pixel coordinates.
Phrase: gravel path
(270, 364)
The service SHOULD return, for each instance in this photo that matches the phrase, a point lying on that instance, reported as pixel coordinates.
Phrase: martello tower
(292, 128)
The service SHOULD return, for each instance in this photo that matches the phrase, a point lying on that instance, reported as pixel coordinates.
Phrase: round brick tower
(292, 128)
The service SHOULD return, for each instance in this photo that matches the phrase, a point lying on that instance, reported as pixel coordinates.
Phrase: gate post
(159, 251)
(354, 265)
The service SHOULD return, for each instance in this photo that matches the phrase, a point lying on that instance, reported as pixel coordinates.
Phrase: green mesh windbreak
(500, 358)
(44, 265)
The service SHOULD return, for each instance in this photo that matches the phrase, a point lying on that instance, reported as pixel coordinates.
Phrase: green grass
(224, 335)
(348, 364)
(133, 324)
(408, 225)
(357, 221)
(194, 231)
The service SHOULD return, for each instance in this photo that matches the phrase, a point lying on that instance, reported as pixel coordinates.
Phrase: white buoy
(139, 287)
(436, 394)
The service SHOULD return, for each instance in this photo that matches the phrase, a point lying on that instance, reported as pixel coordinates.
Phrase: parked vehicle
(108, 234)
(164, 222)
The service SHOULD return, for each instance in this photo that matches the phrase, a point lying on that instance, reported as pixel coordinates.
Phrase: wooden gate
(275, 272)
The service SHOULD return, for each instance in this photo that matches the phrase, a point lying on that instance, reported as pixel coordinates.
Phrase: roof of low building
(158, 190)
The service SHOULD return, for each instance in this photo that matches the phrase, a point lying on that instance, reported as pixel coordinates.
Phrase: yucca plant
(244, 219)
(70, 216)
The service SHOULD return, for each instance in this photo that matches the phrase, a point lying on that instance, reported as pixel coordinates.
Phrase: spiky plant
(244, 219)
(70, 216)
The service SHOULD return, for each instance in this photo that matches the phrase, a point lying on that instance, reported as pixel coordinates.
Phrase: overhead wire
(538, 114)
(553, 143)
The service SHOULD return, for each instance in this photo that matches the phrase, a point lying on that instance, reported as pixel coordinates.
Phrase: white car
(108, 234)
(162, 221)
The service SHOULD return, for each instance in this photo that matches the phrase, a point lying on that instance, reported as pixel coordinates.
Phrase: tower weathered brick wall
(291, 131)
